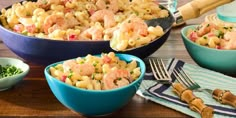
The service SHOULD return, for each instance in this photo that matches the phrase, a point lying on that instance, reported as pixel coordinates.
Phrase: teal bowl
(8, 82)
(214, 59)
(94, 102)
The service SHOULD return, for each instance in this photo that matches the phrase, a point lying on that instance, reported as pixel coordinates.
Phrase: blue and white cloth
(163, 94)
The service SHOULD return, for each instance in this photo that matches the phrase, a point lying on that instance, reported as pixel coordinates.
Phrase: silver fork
(222, 96)
(161, 74)
(159, 70)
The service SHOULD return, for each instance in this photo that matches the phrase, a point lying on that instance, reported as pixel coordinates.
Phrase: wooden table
(33, 98)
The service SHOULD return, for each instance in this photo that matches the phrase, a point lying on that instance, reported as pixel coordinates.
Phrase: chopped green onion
(219, 34)
(93, 76)
(70, 74)
(9, 70)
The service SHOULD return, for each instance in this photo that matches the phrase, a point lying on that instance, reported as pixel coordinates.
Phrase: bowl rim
(25, 71)
(142, 64)
(183, 33)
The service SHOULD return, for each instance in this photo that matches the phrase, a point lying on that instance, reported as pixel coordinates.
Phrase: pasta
(52, 18)
(212, 35)
(97, 73)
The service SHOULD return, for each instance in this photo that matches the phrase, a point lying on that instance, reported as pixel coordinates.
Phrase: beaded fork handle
(195, 103)
(224, 97)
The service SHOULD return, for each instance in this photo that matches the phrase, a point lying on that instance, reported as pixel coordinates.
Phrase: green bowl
(8, 82)
(223, 61)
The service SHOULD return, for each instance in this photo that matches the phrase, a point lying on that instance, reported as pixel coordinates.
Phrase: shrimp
(68, 65)
(230, 40)
(116, 78)
(94, 33)
(205, 28)
(55, 21)
(106, 16)
(82, 69)
(111, 5)
(134, 24)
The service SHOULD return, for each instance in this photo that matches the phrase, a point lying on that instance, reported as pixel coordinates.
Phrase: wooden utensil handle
(195, 103)
(224, 97)
(196, 8)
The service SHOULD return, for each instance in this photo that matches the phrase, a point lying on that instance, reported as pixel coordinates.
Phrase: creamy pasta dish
(212, 35)
(97, 73)
(120, 20)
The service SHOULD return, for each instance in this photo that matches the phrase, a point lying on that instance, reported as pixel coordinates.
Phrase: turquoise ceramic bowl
(8, 82)
(92, 102)
(218, 60)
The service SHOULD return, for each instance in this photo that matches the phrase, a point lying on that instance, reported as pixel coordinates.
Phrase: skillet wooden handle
(195, 103)
(224, 97)
(196, 8)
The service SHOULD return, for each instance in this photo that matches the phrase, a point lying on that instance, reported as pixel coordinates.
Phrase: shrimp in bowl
(211, 46)
(101, 85)
(98, 73)
(214, 36)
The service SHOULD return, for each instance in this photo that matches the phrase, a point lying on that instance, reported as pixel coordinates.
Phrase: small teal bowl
(214, 59)
(93, 102)
(8, 82)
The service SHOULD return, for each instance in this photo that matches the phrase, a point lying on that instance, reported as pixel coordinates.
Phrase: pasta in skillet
(86, 20)
(97, 73)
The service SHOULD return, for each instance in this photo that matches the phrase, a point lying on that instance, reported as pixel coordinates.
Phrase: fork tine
(180, 78)
(185, 77)
(164, 69)
(154, 68)
(159, 69)
(189, 78)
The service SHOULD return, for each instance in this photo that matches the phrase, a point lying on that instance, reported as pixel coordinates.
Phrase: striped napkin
(162, 94)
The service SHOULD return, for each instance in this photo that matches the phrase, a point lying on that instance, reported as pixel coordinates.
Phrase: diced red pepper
(72, 37)
(218, 47)
(106, 59)
(31, 28)
(193, 36)
(63, 78)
